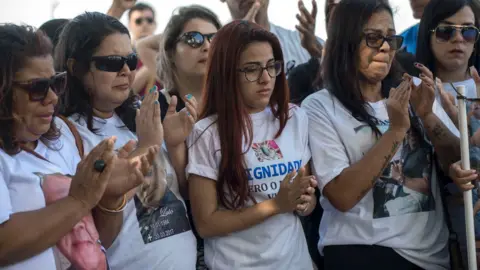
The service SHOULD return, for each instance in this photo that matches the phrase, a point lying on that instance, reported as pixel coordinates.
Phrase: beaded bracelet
(118, 210)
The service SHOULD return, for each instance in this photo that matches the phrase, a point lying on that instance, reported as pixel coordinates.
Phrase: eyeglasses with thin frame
(38, 89)
(195, 39)
(253, 72)
(445, 33)
(376, 40)
(115, 63)
(149, 20)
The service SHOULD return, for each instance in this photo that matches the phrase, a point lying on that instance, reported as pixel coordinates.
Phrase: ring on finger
(99, 165)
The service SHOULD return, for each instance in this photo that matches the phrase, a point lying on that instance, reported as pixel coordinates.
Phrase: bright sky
(281, 12)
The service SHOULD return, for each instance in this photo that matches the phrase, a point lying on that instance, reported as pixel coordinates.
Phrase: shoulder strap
(76, 135)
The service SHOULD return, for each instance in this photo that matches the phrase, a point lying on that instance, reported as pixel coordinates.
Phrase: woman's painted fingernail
(188, 113)
(189, 96)
(153, 89)
(156, 102)
(418, 65)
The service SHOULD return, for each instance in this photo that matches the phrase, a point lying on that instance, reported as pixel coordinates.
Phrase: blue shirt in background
(410, 38)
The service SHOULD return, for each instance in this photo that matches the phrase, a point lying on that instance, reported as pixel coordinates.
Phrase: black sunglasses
(444, 33)
(115, 63)
(139, 21)
(253, 72)
(195, 39)
(38, 88)
(376, 40)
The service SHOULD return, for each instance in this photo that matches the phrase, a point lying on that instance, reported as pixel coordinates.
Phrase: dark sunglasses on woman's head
(253, 72)
(195, 39)
(444, 33)
(376, 40)
(115, 63)
(38, 88)
(140, 20)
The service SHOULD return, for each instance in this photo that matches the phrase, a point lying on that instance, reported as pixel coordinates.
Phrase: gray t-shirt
(293, 52)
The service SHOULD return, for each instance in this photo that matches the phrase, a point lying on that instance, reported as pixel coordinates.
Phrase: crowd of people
(238, 146)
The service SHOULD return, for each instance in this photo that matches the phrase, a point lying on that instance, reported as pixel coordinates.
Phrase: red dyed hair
(222, 97)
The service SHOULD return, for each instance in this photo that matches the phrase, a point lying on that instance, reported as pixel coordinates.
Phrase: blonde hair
(166, 70)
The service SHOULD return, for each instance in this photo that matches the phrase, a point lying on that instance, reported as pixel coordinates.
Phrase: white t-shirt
(470, 88)
(404, 209)
(293, 52)
(278, 242)
(150, 238)
(20, 184)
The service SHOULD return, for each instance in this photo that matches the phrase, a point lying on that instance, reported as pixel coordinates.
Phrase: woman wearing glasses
(183, 53)
(182, 64)
(447, 40)
(97, 54)
(248, 157)
(35, 143)
(448, 36)
(375, 168)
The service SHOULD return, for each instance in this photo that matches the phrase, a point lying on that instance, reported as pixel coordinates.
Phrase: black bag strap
(456, 260)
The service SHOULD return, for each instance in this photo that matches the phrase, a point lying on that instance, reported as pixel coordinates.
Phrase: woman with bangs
(248, 171)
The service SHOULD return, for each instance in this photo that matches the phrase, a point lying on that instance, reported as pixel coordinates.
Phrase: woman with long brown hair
(248, 172)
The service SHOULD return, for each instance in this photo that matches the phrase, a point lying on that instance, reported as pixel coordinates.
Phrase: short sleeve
(303, 117)
(5, 203)
(203, 146)
(329, 156)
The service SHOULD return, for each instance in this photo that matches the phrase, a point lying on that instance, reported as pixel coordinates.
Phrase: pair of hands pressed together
(129, 167)
(296, 193)
(421, 97)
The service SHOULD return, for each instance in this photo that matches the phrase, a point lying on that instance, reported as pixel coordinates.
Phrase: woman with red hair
(248, 170)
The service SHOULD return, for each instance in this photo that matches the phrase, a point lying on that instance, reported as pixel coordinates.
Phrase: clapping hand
(148, 122)
(397, 105)
(129, 172)
(89, 183)
(178, 125)
(252, 12)
(295, 193)
(307, 199)
(423, 95)
(124, 4)
(306, 28)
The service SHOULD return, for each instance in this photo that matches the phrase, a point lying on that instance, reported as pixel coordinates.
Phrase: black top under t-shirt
(164, 104)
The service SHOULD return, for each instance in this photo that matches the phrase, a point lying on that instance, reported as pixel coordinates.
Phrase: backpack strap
(76, 135)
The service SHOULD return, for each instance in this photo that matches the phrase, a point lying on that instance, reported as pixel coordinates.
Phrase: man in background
(297, 46)
(410, 35)
(141, 21)
(141, 17)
